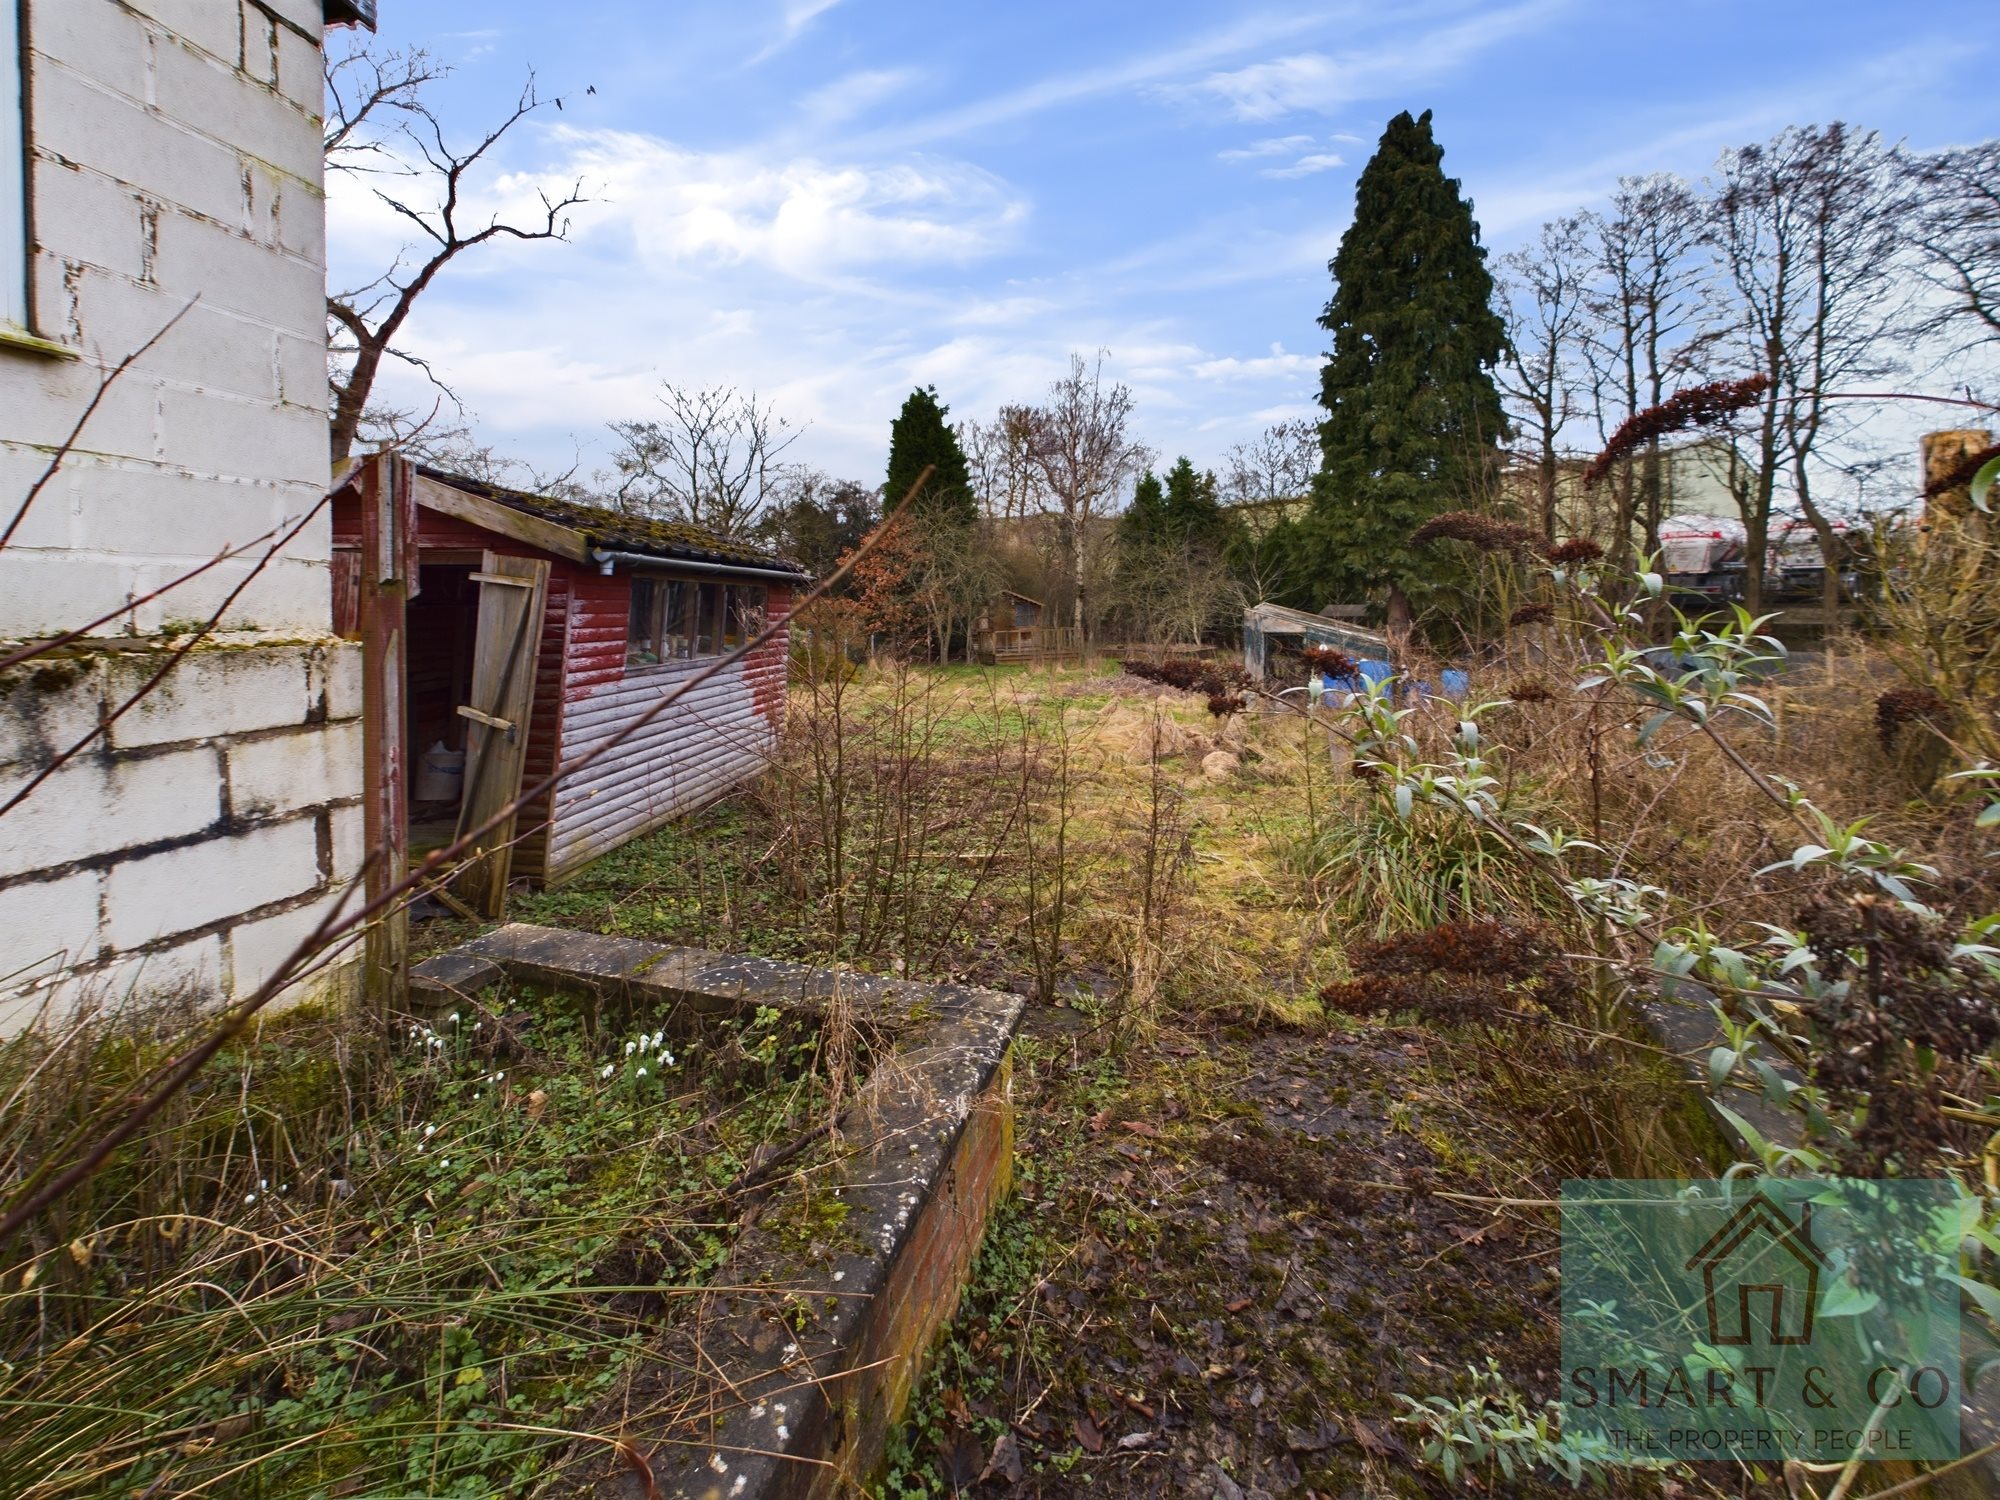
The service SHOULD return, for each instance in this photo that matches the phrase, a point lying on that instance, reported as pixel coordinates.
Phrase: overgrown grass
(336, 1268)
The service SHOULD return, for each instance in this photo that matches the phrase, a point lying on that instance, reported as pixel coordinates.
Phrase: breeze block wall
(175, 176)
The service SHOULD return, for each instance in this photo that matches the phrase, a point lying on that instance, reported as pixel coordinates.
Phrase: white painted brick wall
(46, 708)
(217, 434)
(81, 120)
(337, 677)
(94, 804)
(194, 969)
(288, 772)
(226, 104)
(350, 842)
(145, 507)
(258, 948)
(162, 894)
(219, 692)
(46, 924)
(106, 43)
(175, 156)
(216, 26)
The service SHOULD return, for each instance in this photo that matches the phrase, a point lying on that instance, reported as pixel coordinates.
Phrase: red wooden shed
(530, 629)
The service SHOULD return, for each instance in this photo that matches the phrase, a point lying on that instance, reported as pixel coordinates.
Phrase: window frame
(704, 611)
(16, 302)
(17, 277)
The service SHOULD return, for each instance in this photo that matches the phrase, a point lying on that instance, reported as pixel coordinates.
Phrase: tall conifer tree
(1145, 519)
(1193, 511)
(919, 436)
(1413, 421)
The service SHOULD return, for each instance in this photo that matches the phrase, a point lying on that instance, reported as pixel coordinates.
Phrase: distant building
(1261, 517)
(1696, 478)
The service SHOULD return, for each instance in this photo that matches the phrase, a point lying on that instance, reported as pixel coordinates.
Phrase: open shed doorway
(442, 632)
(471, 637)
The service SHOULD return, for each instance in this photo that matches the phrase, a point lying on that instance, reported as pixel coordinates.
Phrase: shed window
(677, 619)
(13, 174)
(743, 613)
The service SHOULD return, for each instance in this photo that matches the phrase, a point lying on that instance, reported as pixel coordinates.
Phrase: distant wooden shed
(1010, 629)
(536, 628)
(1271, 630)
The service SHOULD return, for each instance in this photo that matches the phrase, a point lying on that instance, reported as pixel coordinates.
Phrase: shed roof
(1276, 619)
(601, 528)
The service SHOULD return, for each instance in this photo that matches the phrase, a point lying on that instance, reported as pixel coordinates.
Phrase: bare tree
(1809, 230)
(379, 123)
(1957, 223)
(1081, 455)
(954, 574)
(1172, 590)
(1648, 308)
(817, 519)
(1546, 286)
(714, 461)
(996, 453)
(1277, 464)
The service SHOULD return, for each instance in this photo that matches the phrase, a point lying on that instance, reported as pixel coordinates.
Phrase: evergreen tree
(1145, 519)
(1194, 514)
(1413, 421)
(920, 436)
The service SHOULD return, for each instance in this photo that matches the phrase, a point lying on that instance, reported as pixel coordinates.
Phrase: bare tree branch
(713, 461)
(374, 315)
(1082, 456)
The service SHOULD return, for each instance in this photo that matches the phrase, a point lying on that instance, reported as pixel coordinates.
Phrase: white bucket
(440, 774)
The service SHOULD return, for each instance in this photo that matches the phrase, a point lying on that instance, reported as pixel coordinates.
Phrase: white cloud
(1277, 145)
(799, 12)
(1305, 166)
(795, 18)
(1267, 90)
(1275, 365)
(1318, 83)
(1109, 78)
(810, 219)
(854, 94)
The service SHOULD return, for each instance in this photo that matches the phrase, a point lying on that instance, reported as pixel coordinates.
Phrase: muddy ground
(1228, 1258)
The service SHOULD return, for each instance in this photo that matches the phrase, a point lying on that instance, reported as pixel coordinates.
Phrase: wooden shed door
(512, 591)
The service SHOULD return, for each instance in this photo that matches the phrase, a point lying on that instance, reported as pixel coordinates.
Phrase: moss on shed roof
(618, 531)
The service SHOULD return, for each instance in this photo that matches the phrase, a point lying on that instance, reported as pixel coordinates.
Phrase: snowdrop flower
(607, 1070)
(249, 1197)
(630, 1048)
(668, 1058)
(445, 1162)
(659, 1037)
(429, 1131)
(642, 1072)
(452, 1019)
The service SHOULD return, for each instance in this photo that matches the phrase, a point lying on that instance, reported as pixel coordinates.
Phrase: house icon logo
(1761, 1255)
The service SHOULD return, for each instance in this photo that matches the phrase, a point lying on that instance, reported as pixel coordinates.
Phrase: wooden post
(388, 580)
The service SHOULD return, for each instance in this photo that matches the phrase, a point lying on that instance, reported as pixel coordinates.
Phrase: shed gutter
(606, 561)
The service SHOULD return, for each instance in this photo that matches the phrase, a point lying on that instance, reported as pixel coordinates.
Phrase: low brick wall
(787, 1379)
(197, 841)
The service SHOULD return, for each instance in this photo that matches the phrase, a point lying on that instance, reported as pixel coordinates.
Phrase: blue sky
(832, 200)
